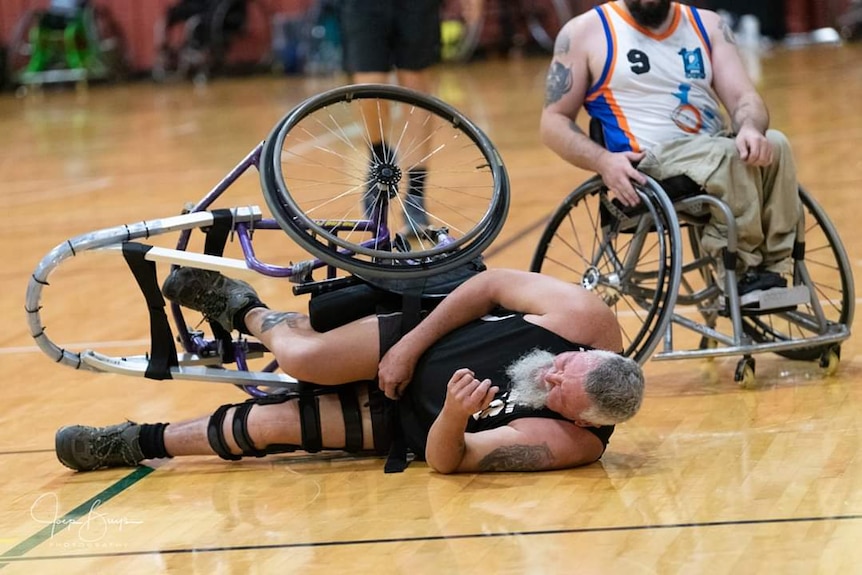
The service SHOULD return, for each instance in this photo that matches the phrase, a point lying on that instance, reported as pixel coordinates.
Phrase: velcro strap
(309, 416)
(352, 418)
(163, 352)
(215, 434)
(240, 430)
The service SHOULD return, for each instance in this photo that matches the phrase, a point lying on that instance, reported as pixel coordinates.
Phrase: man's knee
(228, 428)
(780, 143)
(301, 359)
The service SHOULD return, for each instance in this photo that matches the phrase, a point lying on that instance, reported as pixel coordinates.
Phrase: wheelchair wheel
(632, 262)
(20, 48)
(832, 278)
(545, 19)
(461, 26)
(338, 199)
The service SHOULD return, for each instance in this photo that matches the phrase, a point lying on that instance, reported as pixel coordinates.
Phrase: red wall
(137, 19)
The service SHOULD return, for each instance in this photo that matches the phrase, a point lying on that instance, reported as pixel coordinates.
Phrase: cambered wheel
(632, 263)
(832, 280)
(345, 203)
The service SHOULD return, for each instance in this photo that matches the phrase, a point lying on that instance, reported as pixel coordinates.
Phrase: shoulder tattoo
(518, 458)
(558, 83)
(562, 45)
(727, 31)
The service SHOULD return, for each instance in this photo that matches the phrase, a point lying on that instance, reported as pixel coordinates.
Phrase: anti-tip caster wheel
(744, 375)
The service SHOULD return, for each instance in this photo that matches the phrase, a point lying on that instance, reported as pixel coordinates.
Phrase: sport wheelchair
(315, 167)
(636, 260)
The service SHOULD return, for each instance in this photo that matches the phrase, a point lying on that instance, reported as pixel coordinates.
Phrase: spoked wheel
(20, 48)
(462, 22)
(832, 279)
(545, 19)
(344, 203)
(632, 263)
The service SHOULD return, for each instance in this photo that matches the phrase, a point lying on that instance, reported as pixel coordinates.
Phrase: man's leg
(342, 355)
(781, 206)
(253, 428)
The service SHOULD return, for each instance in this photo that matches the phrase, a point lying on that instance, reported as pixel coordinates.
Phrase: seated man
(654, 73)
(532, 388)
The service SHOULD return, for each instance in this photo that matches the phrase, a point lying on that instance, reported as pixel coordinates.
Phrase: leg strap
(215, 434)
(309, 419)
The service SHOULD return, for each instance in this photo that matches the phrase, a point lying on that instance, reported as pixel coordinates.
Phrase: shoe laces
(211, 303)
(106, 448)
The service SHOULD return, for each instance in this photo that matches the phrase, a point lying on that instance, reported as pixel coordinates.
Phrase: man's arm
(530, 444)
(748, 113)
(579, 48)
(563, 308)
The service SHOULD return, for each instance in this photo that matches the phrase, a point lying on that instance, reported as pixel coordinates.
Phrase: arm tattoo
(518, 458)
(272, 319)
(727, 31)
(558, 83)
(562, 45)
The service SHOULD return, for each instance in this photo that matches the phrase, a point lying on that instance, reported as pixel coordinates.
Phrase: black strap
(411, 308)
(396, 461)
(240, 430)
(309, 416)
(352, 418)
(215, 434)
(163, 352)
(218, 232)
(216, 239)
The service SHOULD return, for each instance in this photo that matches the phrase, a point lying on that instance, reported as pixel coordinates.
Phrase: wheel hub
(386, 173)
(591, 278)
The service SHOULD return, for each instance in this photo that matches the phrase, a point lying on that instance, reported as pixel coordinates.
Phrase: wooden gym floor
(708, 478)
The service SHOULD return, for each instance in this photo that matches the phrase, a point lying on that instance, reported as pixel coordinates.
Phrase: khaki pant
(764, 200)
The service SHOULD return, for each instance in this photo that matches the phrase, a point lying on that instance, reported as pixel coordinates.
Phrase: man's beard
(650, 16)
(527, 377)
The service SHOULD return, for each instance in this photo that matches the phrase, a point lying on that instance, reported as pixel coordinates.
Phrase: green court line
(69, 518)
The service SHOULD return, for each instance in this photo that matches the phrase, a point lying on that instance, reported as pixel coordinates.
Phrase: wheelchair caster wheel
(830, 359)
(744, 375)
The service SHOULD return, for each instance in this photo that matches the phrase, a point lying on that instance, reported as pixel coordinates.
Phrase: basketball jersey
(486, 346)
(654, 87)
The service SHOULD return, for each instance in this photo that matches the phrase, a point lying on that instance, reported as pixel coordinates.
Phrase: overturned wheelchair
(316, 168)
(637, 261)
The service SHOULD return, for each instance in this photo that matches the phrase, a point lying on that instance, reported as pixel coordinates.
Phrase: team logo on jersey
(496, 407)
(692, 62)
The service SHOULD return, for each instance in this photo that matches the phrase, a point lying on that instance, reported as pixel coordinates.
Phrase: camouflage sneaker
(85, 448)
(218, 297)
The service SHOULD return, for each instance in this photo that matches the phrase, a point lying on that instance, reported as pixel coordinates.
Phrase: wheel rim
(634, 275)
(826, 262)
(321, 180)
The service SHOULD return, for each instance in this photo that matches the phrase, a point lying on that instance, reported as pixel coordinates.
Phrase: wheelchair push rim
(318, 171)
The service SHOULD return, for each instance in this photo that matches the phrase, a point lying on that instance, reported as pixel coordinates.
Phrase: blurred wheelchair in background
(196, 38)
(69, 41)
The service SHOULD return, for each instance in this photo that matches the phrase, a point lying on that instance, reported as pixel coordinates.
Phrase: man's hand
(754, 148)
(465, 395)
(396, 369)
(618, 171)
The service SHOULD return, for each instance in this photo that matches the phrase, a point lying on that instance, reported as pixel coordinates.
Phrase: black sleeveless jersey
(487, 346)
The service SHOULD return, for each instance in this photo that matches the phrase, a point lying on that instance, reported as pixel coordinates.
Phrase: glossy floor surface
(708, 478)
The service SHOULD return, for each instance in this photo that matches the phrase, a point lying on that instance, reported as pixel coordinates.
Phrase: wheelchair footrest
(773, 300)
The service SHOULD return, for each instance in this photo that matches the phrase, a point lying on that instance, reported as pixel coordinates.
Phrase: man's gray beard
(527, 376)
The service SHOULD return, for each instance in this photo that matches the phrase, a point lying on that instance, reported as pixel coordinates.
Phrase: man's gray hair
(615, 386)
